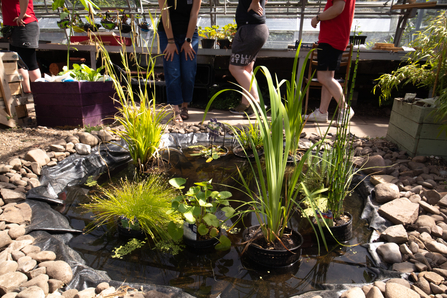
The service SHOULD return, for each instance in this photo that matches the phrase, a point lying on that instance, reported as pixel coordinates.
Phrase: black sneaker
(241, 109)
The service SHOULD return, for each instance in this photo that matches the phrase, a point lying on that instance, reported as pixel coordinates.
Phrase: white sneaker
(343, 117)
(316, 116)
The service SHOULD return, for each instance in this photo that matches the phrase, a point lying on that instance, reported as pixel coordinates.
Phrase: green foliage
(133, 244)
(84, 73)
(227, 31)
(199, 206)
(211, 152)
(91, 181)
(426, 66)
(277, 188)
(208, 32)
(248, 135)
(143, 121)
(89, 128)
(145, 202)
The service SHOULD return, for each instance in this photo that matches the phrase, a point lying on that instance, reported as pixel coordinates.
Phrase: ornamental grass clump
(143, 203)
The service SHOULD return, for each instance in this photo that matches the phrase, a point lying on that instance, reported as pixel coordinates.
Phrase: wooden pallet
(386, 47)
(12, 99)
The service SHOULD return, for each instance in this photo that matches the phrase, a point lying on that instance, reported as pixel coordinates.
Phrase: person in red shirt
(25, 36)
(335, 26)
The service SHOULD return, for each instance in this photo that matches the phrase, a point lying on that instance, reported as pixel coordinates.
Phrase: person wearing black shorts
(251, 35)
(25, 37)
(335, 25)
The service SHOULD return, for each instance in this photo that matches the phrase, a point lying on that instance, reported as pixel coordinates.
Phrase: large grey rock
(374, 292)
(11, 196)
(385, 192)
(37, 155)
(355, 292)
(436, 247)
(395, 290)
(12, 279)
(8, 266)
(31, 292)
(83, 149)
(58, 270)
(424, 223)
(41, 281)
(400, 211)
(390, 253)
(374, 164)
(396, 234)
(88, 139)
(5, 240)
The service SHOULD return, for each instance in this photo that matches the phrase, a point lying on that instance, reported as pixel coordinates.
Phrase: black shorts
(247, 42)
(328, 57)
(28, 56)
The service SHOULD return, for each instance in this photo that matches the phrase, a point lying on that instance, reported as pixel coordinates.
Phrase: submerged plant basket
(207, 43)
(125, 28)
(239, 152)
(270, 258)
(342, 233)
(190, 238)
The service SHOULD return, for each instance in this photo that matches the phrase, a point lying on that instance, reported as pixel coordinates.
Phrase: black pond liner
(57, 225)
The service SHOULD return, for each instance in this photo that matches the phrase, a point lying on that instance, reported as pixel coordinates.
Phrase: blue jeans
(180, 74)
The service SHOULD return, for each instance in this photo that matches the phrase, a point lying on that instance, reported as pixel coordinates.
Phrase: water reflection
(215, 273)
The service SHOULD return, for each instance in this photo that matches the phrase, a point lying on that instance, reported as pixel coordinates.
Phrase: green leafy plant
(84, 73)
(199, 206)
(144, 203)
(276, 187)
(426, 67)
(227, 31)
(133, 244)
(248, 135)
(212, 151)
(208, 32)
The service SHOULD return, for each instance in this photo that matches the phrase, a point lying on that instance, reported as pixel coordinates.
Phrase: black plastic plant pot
(190, 238)
(342, 233)
(224, 43)
(125, 28)
(239, 152)
(90, 27)
(144, 27)
(207, 43)
(272, 258)
(63, 24)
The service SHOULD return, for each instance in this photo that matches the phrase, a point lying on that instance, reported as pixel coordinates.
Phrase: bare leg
(243, 75)
(34, 74)
(25, 83)
(331, 88)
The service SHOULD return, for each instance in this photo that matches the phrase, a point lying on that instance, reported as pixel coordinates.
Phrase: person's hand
(170, 50)
(314, 22)
(19, 20)
(256, 7)
(188, 49)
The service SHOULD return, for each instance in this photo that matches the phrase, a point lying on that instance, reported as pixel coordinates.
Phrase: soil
(288, 240)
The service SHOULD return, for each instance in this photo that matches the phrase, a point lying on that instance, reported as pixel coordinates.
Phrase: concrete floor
(360, 126)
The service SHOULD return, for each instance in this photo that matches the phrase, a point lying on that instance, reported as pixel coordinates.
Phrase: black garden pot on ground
(341, 233)
(207, 43)
(272, 258)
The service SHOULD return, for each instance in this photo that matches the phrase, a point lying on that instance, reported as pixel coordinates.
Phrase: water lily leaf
(202, 229)
(229, 211)
(211, 220)
(175, 231)
(224, 243)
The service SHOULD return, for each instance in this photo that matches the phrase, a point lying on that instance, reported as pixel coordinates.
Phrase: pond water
(221, 273)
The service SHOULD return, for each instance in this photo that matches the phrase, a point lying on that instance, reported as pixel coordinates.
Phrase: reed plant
(246, 135)
(276, 189)
(143, 121)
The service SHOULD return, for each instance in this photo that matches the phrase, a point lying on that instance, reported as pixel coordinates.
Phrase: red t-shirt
(336, 31)
(11, 10)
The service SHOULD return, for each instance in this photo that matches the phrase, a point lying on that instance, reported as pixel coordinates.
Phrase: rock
(436, 247)
(376, 179)
(400, 211)
(353, 293)
(11, 196)
(37, 155)
(87, 293)
(5, 240)
(70, 293)
(8, 266)
(57, 148)
(15, 163)
(12, 279)
(374, 293)
(404, 267)
(58, 270)
(88, 139)
(105, 136)
(54, 285)
(425, 222)
(101, 287)
(443, 202)
(16, 232)
(26, 264)
(83, 149)
(31, 292)
(394, 290)
(419, 291)
(385, 192)
(390, 253)
(429, 208)
(44, 256)
(424, 285)
(432, 196)
(374, 164)
(400, 281)
(433, 277)
(41, 281)
(419, 159)
(36, 168)
(396, 234)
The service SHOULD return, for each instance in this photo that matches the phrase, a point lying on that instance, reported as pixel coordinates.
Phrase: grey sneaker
(344, 116)
(317, 116)
(241, 109)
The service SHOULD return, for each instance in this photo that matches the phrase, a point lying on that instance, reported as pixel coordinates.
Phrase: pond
(221, 273)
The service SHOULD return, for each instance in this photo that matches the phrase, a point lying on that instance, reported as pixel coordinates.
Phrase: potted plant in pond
(123, 24)
(246, 135)
(108, 22)
(273, 243)
(200, 226)
(136, 208)
(212, 151)
(416, 126)
(208, 35)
